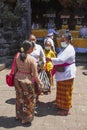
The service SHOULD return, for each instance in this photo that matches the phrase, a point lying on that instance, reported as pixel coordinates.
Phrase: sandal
(24, 122)
(17, 118)
(66, 112)
(28, 121)
(63, 113)
(60, 113)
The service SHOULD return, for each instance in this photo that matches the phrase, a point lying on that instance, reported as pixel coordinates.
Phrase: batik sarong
(25, 104)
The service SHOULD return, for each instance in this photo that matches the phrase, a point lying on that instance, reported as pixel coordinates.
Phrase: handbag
(10, 80)
(10, 76)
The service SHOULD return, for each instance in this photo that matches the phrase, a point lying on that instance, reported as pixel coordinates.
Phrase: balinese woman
(39, 55)
(25, 71)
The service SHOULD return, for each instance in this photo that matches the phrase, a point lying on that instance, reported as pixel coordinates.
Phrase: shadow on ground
(41, 109)
(10, 122)
(9, 67)
(11, 101)
(44, 109)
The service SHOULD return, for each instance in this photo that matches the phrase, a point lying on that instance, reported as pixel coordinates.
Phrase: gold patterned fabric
(43, 32)
(40, 32)
(80, 42)
(64, 26)
(24, 101)
(77, 42)
(77, 27)
(64, 94)
(75, 34)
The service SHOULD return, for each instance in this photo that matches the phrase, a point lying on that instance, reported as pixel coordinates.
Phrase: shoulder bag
(10, 76)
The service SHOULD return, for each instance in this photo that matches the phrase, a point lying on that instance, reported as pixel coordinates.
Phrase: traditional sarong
(24, 101)
(64, 94)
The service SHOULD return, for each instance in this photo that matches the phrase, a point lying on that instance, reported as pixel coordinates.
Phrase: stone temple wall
(15, 26)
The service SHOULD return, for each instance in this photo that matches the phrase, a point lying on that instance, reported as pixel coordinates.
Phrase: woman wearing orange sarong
(64, 70)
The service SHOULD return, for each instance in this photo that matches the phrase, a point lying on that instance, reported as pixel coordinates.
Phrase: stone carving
(13, 25)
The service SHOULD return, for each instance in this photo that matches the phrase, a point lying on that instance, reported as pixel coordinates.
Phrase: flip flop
(63, 113)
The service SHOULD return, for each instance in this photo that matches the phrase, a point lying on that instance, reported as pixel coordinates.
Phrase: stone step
(5, 64)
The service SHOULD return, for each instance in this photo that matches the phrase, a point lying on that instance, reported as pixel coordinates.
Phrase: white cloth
(38, 52)
(77, 49)
(51, 30)
(65, 56)
(81, 50)
(83, 32)
(51, 41)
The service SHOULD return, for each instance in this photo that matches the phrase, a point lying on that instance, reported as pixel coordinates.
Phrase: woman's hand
(48, 59)
(42, 86)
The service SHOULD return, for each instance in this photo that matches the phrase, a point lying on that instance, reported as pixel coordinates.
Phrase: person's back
(83, 32)
(25, 67)
(53, 30)
(25, 72)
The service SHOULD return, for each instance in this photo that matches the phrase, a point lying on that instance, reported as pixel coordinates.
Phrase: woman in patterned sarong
(25, 71)
(65, 71)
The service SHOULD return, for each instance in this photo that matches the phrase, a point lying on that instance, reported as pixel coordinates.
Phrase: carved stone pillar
(26, 17)
(29, 18)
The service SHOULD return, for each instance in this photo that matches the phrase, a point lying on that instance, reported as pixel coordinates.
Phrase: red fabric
(54, 67)
(10, 76)
(10, 80)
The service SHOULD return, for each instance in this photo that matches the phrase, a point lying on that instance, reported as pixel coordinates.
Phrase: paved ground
(46, 119)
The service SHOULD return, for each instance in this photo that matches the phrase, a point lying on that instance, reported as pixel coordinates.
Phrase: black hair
(33, 44)
(24, 48)
(68, 37)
